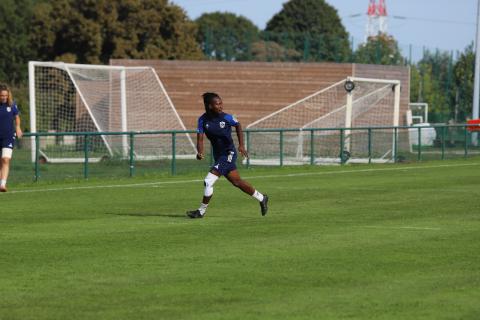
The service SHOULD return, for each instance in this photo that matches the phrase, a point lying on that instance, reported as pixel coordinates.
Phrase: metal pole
(419, 156)
(174, 151)
(248, 148)
(476, 86)
(123, 110)
(312, 147)
(395, 142)
(342, 146)
(348, 120)
(465, 143)
(281, 147)
(37, 154)
(369, 145)
(85, 150)
(132, 154)
(33, 114)
(443, 142)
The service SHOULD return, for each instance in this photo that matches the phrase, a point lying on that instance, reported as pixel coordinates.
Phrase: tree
(15, 51)
(89, 31)
(464, 79)
(381, 49)
(272, 51)
(436, 86)
(226, 36)
(312, 27)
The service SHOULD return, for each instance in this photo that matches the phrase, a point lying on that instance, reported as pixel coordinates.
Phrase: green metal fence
(278, 147)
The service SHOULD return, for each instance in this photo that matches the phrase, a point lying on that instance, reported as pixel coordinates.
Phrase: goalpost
(350, 103)
(94, 98)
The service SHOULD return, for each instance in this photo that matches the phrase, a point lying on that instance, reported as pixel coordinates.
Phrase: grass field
(347, 242)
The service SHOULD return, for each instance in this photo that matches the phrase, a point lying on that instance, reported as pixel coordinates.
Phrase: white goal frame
(66, 67)
(347, 107)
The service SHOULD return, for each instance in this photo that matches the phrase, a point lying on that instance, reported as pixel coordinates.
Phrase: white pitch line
(366, 170)
(145, 184)
(400, 227)
(158, 183)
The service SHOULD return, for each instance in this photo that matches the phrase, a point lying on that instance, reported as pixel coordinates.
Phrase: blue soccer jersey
(218, 130)
(7, 117)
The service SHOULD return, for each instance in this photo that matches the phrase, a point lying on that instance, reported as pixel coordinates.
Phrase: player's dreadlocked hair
(207, 100)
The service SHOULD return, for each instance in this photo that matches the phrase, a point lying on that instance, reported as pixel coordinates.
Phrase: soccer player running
(8, 132)
(217, 126)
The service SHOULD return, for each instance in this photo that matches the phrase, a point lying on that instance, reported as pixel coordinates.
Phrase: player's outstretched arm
(200, 146)
(18, 130)
(241, 145)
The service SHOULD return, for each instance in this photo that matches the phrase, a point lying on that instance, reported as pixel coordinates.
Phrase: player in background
(217, 126)
(8, 132)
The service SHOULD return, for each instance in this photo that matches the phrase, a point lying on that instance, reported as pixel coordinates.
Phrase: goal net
(91, 98)
(354, 104)
(418, 113)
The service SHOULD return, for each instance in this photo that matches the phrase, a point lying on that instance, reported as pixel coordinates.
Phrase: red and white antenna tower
(377, 19)
(371, 22)
(382, 17)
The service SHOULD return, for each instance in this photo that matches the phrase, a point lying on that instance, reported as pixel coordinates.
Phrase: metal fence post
(443, 142)
(85, 149)
(248, 146)
(174, 162)
(342, 146)
(312, 146)
(132, 161)
(281, 147)
(369, 145)
(419, 156)
(37, 155)
(395, 144)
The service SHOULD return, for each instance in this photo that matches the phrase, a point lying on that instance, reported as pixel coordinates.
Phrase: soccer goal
(418, 112)
(94, 98)
(350, 103)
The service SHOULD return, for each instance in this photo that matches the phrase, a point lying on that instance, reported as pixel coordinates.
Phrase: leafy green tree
(436, 86)
(226, 36)
(272, 51)
(312, 27)
(15, 51)
(464, 79)
(415, 87)
(89, 31)
(382, 49)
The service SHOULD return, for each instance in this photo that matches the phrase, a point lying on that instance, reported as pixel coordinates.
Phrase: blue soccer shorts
(8, 142)
(225, 163)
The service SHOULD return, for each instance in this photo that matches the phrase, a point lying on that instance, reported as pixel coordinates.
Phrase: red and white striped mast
(382, 17)
(377, 18)
(371, 22)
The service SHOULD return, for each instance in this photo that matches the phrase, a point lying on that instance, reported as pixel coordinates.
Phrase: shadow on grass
(149, 214)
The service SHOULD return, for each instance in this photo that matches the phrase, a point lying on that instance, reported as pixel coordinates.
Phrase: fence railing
(64, 155)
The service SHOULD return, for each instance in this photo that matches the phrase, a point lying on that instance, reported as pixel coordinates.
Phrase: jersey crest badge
(9, 109)
(222, 124)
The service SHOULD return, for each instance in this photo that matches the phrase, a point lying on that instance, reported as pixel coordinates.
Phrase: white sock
(203, 208)
(3, 182)
(257, 195)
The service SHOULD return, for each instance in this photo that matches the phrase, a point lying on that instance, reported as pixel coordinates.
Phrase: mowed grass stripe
(159, 183)
(118, 253)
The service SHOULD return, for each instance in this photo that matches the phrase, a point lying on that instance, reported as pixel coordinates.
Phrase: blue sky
(443, 24)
